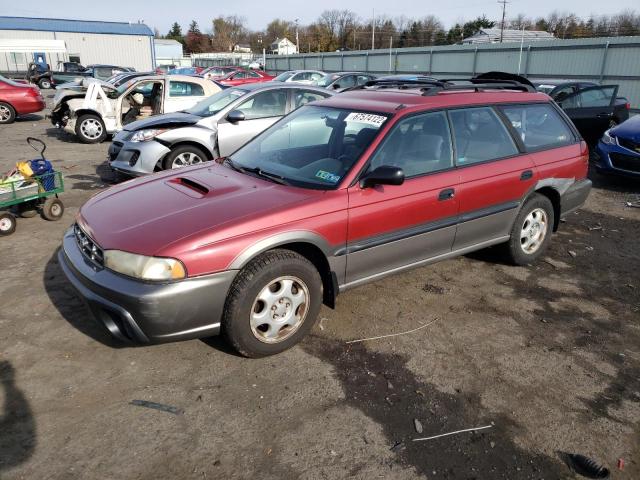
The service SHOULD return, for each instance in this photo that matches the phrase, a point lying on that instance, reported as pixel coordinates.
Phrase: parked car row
(342, 191)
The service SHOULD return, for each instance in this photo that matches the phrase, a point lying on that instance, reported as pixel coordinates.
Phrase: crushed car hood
(629, 129)
(193, 205)
(170, 120)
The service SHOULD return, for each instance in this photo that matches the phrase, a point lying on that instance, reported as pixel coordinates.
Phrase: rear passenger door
(591, 109)
(391, 227)
(494, 175)
(182, 95)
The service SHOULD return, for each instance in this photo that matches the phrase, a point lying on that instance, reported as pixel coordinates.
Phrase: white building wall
(122, 50)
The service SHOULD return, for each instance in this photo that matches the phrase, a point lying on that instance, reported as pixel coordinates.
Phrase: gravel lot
(547, 355)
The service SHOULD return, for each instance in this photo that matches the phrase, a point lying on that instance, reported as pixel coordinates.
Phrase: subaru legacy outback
(383, 178)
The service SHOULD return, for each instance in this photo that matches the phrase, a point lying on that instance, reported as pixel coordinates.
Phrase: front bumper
(617, 160)
(141, 312)
(136, 158)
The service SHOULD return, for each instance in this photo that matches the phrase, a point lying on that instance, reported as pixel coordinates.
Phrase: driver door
(591, 109)
(261, 110)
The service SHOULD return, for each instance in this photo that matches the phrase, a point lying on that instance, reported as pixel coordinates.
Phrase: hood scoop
(189, 186)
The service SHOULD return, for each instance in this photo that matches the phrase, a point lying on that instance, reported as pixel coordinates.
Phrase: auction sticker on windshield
(367, 118)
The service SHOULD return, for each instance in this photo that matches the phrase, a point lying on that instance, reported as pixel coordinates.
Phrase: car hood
(629, 129)
(170, 120)
(183, 210)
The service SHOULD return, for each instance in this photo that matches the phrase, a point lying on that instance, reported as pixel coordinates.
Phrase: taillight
(34, 92)
(628, 105)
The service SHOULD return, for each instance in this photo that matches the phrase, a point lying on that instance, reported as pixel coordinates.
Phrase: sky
(162, 13)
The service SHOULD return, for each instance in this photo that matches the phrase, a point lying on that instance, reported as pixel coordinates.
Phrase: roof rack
(433, 87)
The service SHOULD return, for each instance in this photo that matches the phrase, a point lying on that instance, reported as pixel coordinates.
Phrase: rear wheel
(52, 209)
(531, 231)
(90, 129)
(7, 113)
(273, 303)
(7, 224)
(44, 83)
(184, 156)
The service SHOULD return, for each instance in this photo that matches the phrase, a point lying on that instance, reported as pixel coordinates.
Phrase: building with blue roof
(90, 42)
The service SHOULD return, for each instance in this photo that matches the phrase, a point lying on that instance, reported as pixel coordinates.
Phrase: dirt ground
(547, 355)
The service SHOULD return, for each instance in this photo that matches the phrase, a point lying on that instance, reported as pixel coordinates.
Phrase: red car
(215, 73)
(17, 98)
(241, 77)
(339, 193)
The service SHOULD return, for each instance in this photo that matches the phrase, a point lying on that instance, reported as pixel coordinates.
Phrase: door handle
(526, 175)
(446, 194)
(605, 115)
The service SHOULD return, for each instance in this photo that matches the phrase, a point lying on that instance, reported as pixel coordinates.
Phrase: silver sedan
(215, 127)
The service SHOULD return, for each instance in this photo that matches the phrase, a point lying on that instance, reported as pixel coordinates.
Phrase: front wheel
(184, 156)
(7, 224)
(273, 303)
(531, 231)
(90, 129)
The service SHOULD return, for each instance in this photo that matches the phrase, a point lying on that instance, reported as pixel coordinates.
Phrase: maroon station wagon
(341, 192)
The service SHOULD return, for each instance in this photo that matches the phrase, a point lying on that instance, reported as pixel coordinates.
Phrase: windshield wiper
(255, 170)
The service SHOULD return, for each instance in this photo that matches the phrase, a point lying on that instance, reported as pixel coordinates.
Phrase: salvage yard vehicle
(215, 127)
(342, 80)
(339, 193)
(309, 77)
(101, 72)
(618, 151)
(100, 108)
(17, 99)
(593, 108)
(243, 77)
(214, 73)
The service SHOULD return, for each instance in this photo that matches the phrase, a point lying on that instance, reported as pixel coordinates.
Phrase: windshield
(120, 90)
(327, 80)
(283, 77)
(213, 104)
(314, 147)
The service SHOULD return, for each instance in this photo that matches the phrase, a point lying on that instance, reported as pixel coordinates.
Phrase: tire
(184, 156)
(7, 224)
(292, 284)
(28, 212)
(7, 113)
(90, 129)
(44, 83)
(531, 231)
(52, 209)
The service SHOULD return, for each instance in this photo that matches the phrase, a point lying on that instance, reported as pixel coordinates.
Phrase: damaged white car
(94, 109)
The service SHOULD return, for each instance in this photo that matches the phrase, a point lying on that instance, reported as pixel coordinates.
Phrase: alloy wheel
(185, 159)
(279, 309)
(534, 231)
(5, 113)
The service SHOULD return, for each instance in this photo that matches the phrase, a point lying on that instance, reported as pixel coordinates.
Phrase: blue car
(618, 150)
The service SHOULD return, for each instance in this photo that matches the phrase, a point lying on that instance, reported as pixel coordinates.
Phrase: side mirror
(235, 116)
(383, 175)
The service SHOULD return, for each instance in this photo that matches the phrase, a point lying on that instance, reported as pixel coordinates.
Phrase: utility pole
(390, 49)
(373, 30)
(297, 38)
(504, 11)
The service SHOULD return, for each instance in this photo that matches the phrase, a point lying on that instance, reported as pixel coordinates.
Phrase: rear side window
(539, 126)
(480, 135)
(302, 97)
(185, 89)
(419, 144)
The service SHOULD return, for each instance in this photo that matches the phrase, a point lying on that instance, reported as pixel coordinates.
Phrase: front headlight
(608, 139)
(148, 134)
(142, 267)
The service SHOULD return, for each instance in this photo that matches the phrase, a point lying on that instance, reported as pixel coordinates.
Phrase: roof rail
(398, 83)
(477, 86)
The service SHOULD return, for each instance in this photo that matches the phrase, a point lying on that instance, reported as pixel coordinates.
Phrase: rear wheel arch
(554, 197)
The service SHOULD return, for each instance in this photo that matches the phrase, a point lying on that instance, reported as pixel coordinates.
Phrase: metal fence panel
(606, 60)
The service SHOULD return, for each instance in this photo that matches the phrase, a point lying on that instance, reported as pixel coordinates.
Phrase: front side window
(419, 144)
(347, 81)
(283, 77)
(185, 89)
(480, 135)
(539, 126)
(271, 103)
(313, 147)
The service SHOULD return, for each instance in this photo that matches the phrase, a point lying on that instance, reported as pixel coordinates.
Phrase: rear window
(480, 135)
(539, 126)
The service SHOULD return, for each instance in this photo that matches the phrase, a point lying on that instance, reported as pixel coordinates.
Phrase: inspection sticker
(369, 118)
(329, 177)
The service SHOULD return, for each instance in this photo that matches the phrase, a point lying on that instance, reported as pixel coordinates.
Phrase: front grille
(114, 150)
(625, 162)
(631, 145)
(88, 247)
